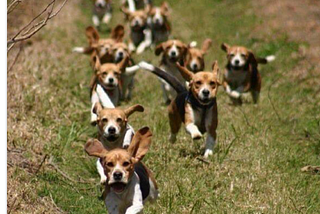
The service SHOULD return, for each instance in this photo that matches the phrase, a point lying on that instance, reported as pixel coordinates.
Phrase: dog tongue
(118, 187)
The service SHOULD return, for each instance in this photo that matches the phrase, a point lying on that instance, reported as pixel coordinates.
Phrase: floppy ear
(133, 109)
(225, 47)
(94, 147)
(186, 74)
(126, 12)
(159, 49)
(123, 64)
(117, 33)
(216, 71)
(97, 108)
(97, 64)
(140, 144)
(252, 59)
(92, 35)
(165, 8)
(206, 45)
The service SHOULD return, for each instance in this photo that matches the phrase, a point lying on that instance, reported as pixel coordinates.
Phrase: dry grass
(256, 164)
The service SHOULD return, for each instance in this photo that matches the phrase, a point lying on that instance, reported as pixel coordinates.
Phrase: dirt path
(300, 20)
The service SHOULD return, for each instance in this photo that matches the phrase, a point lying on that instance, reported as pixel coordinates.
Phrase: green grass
(261, 148)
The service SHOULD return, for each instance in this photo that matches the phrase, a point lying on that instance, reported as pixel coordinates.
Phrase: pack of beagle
(189, 90)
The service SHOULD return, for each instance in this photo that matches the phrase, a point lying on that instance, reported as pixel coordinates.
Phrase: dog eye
(243, 55)
(104, 120)
(125, 164)
(198, 82)
(110, 164)
(119, 120)
(231, 55)
(212, 83)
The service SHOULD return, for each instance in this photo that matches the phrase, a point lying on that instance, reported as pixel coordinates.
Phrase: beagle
(101, 12)
(101, 46)
(195, 57)
(113, 128)
(160, 26)
(129, 182)
(196, 107)
(241, 74)
(140, 34)
(108, 78)
(172, 51)
(134, 5)
(112, 50)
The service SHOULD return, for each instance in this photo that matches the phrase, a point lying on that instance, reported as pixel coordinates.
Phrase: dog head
(109, 74)
(174, 50)
(103, 46)
(112, 122)
(119, 51)
(118, 164)
(239, 57)
(159, 14)
(195, 57)
(203, 84)
(101, 4)
(137, 19)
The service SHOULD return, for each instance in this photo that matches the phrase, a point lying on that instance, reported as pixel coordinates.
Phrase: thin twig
(40, 165)
(13, 5)
(27, 32)
(65, 175)
(16, 58)
(273, 107)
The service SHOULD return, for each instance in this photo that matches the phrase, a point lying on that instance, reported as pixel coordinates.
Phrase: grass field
(261, 148)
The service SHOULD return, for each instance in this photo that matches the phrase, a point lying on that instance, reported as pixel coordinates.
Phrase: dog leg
(131, 47)
(106, 18)
(78, 49)
(95, 20)
(104, 98)
(128, 137)
(210, 142)
(103, 177)
(193, 130)
(175, 121)
(94, 100)
(255, 96)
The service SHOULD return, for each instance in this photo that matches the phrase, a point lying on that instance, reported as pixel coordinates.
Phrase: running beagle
(101, 12)
(160, 26)
(129, 182)
(172, 51)
(195, 57)
(108, 78)
(113, 128)
(196, 107)
(241, 74)
(140, 34)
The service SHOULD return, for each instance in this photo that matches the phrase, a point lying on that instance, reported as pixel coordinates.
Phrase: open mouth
(237, 67)
(112, 138)
(118, 187)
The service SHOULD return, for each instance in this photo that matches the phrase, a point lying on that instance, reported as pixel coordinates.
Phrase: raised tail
(170, 79)
(266, 59)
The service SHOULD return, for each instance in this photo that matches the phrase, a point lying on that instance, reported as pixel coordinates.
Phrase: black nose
(195, 66)
(117, 176)
(205, 93)
(236, 62)
(112, 130)
(136, 23)
(120, 53)
(173, 53)
(111, 80)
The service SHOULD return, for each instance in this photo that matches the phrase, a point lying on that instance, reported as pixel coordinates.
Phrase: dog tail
(170, 79)
(266, 59)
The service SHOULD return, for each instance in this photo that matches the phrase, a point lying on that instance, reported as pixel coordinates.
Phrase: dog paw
(103, 180)
(235, 94)
(207, 153)
(172, 138)
(196, 136)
